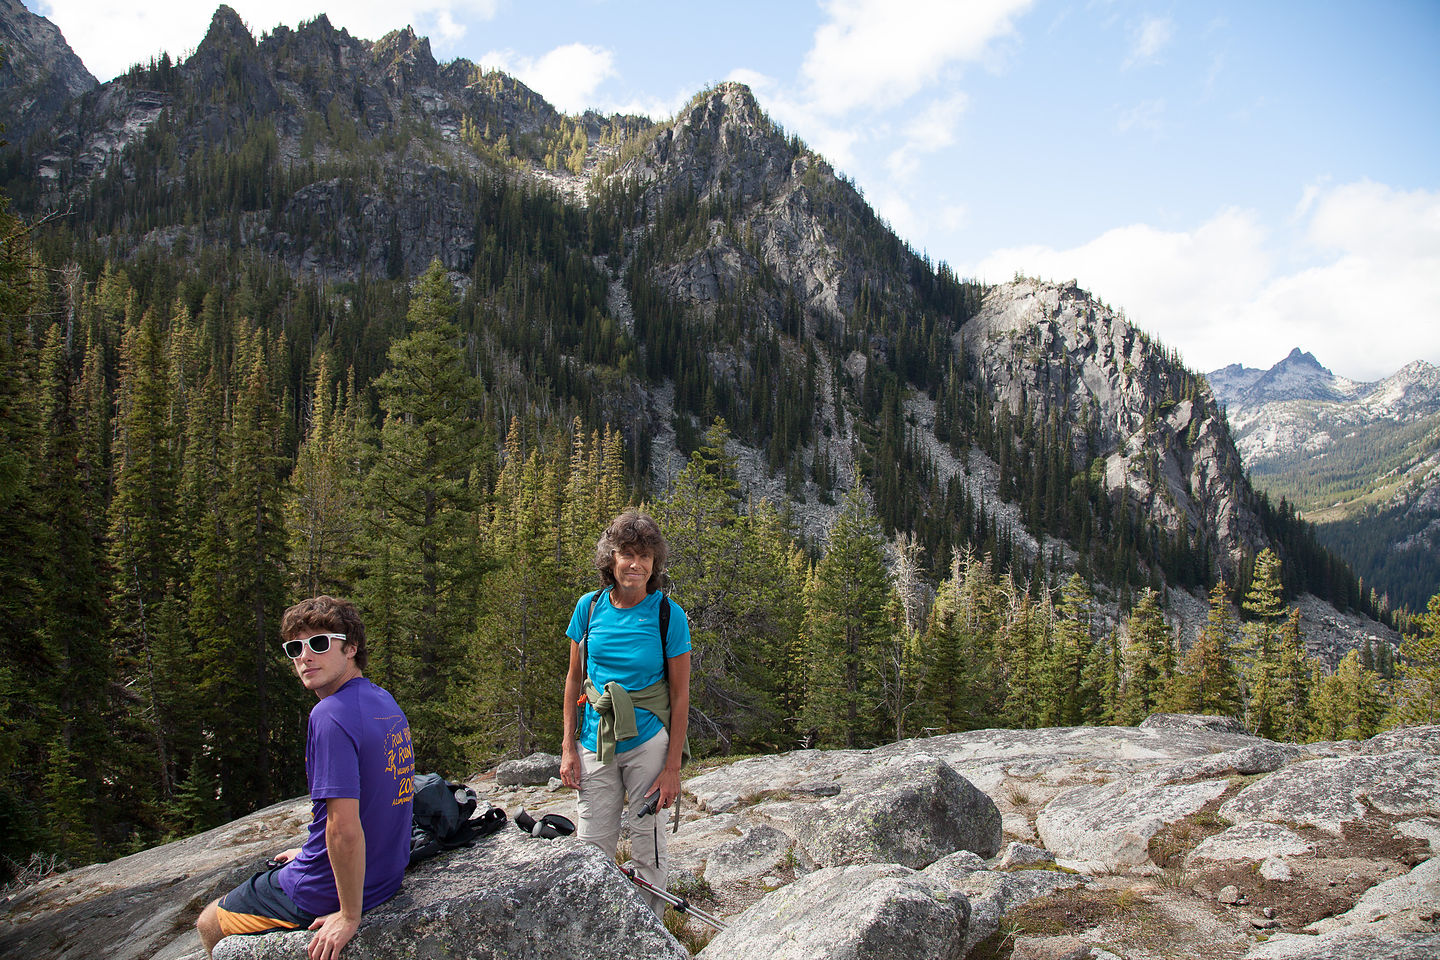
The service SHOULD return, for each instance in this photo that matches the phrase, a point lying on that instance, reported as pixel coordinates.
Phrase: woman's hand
(570, 766)
(668, 783)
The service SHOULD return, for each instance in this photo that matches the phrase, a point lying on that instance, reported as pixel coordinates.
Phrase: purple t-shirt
(358, 745)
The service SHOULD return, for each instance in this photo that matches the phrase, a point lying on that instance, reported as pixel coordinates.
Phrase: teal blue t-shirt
(625, 647)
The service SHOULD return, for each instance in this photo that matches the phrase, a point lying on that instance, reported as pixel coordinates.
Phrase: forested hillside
(311, 314)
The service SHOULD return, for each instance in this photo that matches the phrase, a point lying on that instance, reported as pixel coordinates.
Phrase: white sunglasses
(317, 644)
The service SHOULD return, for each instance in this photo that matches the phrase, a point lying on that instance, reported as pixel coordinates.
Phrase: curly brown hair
(635, 532)
(331, 614)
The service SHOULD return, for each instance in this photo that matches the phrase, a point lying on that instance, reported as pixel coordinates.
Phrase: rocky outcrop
(909, 810)
(1054, 350)
(871, 912)
(312, 98)
(510, 896)
(39, 73)
(1173, 839)
(534, 770)
(1331, 792)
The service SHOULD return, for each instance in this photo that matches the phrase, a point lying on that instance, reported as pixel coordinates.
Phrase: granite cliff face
(1180, 837)
(39, 73)
(1055, 350)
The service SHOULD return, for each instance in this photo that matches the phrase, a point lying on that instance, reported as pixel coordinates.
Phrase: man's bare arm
(345, 843)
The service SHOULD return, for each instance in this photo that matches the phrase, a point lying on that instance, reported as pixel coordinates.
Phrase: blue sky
(1241, 178)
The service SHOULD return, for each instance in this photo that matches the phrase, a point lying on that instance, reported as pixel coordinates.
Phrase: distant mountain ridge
(1361, 460)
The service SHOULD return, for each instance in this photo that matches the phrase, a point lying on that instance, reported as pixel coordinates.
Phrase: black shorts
(259, 905)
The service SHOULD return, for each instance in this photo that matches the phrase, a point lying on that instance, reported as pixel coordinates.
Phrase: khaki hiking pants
(603, 790)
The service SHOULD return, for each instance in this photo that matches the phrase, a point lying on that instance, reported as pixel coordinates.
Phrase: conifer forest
(195, 434)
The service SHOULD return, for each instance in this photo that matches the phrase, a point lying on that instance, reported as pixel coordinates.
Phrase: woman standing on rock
(630, 669)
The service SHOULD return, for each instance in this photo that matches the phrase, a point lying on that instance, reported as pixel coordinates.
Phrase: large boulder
(534, 770)
(1100, 829)
(994, 893)
(909, 810)
(508, 896)
(867, 912)
(1333, 791)
(760, 850)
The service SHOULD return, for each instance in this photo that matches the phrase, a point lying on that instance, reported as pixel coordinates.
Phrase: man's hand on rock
(335, 930)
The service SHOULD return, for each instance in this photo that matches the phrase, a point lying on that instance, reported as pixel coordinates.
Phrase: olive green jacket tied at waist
(616, 707)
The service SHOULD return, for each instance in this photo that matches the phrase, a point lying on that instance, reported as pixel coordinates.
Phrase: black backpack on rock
(444, 817)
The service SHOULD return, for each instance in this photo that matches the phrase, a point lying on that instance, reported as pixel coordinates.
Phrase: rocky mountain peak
(227, 31)
(406, 58)
(39, 73)
(1299, 377)
(1301, 430)
(720, 145)
(1299, 357)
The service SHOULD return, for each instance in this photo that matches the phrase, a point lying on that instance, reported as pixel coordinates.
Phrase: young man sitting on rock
(361, 772)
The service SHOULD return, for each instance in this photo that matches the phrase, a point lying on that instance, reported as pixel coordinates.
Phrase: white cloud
(109, 37)
(1149, 39)
(567, 76)
(1360, 288)
(1373, 220)
(932, 129)
(878, 53)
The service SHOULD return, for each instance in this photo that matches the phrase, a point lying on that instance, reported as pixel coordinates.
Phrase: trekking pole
(680, 904)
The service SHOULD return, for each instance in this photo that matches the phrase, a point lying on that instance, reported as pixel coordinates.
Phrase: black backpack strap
(585, 653)
(664, 628)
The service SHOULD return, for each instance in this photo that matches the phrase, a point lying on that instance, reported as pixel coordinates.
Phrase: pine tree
(776, 618)
(1260, 646)
(958, 676)
(145, 542)
(1023, 650)
(1207, 682)
(847, 628)
(1293, 681)
(725, 577)
(1146, 667)
(72, 620)
(1348, 704)
(520, 654)
(1417, 679)
(21, 652)
(322, 510)
(425, 561)
(1066, 696)
(261, 765)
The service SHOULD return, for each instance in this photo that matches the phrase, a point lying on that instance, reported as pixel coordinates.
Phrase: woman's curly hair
(635, 532)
